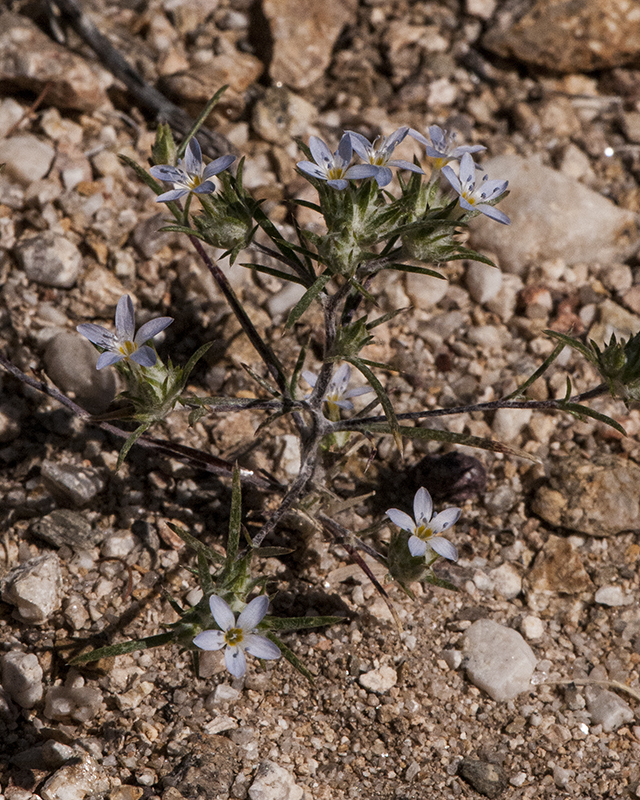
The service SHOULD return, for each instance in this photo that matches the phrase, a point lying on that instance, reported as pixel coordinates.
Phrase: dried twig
(148, 97)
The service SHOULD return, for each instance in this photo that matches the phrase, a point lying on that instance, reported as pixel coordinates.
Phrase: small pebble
(532, 627)
(497, 659)
(50, 259)
(27, 157)
(483, 282)
(66, 527)
(508, 422)
(613, 596)
(607, 708)
(486, 778)
(273, 782)
(35, 588)
(22, 678)
(80, 485)
(507, 581)
(79, 703)
(379, 680)
(76, 781)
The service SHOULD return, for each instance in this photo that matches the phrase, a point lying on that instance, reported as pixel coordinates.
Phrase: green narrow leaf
(291, 657)
(520, 391)
(277, 273)
(124, 647)
(575, 344)
(188, 367)
(270, 552)
(419, 270)
(307, 298)
(383, 397)
(206, 581)
(298, 623)
(201, 119)
(261, 381)
(196, 544)
(124, 451)
(385, 318)
(144, 176)
(235, 518)
(584, 411)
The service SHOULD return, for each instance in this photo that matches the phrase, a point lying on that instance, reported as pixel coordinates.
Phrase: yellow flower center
(194, 181)
(234, 636)
(335, 173)
(378, 160)
(127, 348)
(424, 532)
(469, 198)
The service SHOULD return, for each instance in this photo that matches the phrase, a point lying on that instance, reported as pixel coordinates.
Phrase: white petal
(418, 136)
(170, 196)
(193, 157)
(360, 390)
(125, 319)
(401, 164)
(261, 647)
(253, 613)
(208, 187)
(312, 169)
(401, 519)
(145, 356)
(96, 334)
(152, 328)
(309, 377)
(338, 184)
(361, 145)
(438, 138)
(345, 150)
(340, 380)
(235, 661)
(320, 152)
(107, 359)
(359, 171)
(417, 547)
(422, 506)
(383, 176)
(210, 640)
(451, 176)
(168, 174)
(494, 213)
(467, 170)
(394, 140)
(490, 189)
(218, 165)
(443, 548)
(221, 612)
(346, 404)
(445, 519)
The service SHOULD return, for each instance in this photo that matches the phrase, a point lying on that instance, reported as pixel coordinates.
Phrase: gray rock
(568, 35)
(76, 781)
(80, 703)
(22, 678)
(506, 581)
(35, 588)
(607, 709)
(119, 544)
(75, 612)
(70, 361)
(79, 485)
(483, 282)
(509, 422)
(50, 259)
(613, 596)
(66, 527)
(273, 782)
(27, 158)
(303, 34)
(379, 680)
(552, 216)
(596, 495)
(48, 756)
(497, 659)
(10, 421)
(486, 778)
(281, 115)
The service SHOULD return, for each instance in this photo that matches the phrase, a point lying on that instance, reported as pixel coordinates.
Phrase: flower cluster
(476, 198)
(125, 344)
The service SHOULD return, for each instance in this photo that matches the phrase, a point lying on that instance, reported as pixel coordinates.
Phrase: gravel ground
(524, 683)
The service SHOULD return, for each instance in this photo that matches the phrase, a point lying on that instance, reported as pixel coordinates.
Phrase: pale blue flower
(442, 147)
(425, 527)
(336, 395)
(334, 167)
(190, 175)
(125, 344)
(476, 198)
(236, 637)
(379, 152)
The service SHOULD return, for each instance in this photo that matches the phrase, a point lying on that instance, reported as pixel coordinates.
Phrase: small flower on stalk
(425, 527)
(334, 167)
(379, 155)
(336, 395)
(236, 637)
(190, 175)
(442, 147)
(125, 344)
(476, 198)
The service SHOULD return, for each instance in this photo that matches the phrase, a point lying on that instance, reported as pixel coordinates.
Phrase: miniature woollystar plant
(371, 227)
